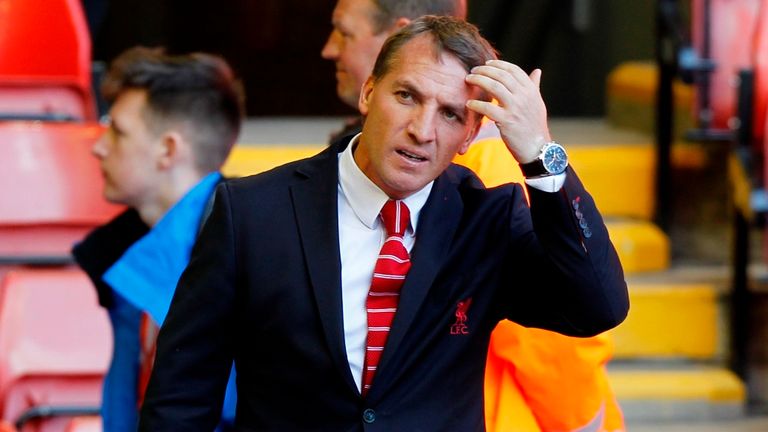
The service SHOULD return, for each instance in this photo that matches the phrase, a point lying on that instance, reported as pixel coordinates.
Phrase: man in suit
(279, 279)
(526, 368)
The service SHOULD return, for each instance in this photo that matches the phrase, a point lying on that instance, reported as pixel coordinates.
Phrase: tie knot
(395, 216)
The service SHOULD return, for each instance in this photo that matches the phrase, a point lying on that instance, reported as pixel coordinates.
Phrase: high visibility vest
(537, 380)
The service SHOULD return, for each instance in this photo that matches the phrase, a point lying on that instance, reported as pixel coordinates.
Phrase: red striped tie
(388, 276)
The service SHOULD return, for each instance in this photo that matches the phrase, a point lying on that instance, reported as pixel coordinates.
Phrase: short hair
(387, 11)
(449, 35)
(198, 90)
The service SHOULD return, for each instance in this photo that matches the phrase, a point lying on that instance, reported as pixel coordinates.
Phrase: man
(527, 368)
(173, 122)
(337, 323)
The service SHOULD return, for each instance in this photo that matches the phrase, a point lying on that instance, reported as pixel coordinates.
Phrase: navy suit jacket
(264, 287)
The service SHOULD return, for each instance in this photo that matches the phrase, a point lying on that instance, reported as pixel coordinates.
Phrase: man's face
(129, 152)
(353, 46)
(416, 119)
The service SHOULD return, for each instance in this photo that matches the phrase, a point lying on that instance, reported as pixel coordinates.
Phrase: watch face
(555, 160)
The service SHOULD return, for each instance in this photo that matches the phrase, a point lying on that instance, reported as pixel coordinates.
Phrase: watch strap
(534, 168)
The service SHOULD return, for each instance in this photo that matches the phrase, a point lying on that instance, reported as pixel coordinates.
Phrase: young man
(521, 394)
(173, 122)
(340, 320)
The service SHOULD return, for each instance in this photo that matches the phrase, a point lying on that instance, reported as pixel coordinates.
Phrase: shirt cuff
(547, 184)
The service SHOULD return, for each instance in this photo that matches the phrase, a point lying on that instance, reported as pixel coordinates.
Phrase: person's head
(414, 103)
(360, 27)
(173, 119)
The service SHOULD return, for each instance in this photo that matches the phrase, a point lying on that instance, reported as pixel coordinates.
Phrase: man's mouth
(411, 156)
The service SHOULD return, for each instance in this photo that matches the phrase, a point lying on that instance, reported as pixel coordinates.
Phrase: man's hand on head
(520, 114)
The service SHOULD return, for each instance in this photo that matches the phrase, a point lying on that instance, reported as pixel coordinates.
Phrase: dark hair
(197, 89)
(449, 35)
(387, 11)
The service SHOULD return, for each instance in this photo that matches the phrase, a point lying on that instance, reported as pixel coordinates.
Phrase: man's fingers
(494, 88)
(488, 109)
(514, 70)
(536, 77)
(503, 80)
(496, 74)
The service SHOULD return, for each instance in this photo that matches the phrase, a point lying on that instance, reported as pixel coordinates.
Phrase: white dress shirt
(361, 235)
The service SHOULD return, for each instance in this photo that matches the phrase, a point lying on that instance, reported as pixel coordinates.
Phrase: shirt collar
(365, 198)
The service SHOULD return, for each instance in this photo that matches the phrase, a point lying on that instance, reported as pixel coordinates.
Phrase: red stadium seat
(54, 346)
(45, 55)
(760, 62)
(734, 25)
(85, 424)
(51, 190)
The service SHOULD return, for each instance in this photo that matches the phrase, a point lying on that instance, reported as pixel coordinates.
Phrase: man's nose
(422, 126)
(99, 148)
(330, 50)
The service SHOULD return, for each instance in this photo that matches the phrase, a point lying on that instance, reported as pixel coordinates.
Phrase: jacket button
(369, 416)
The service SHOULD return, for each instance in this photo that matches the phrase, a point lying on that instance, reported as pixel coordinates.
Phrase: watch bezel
(539, 167)
(548, 164)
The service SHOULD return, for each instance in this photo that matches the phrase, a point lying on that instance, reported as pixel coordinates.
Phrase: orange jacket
(537, 380)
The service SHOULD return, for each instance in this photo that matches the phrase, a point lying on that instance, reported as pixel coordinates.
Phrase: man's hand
(520, 115)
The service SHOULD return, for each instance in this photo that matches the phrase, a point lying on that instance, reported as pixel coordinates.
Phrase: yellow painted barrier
(620, 177)
(711, 384)
(631, 98)
(245, 160)
(669, 321)
(641, 245)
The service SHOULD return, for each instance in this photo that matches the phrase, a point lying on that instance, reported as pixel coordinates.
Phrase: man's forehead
(347, 10)
(422, 52)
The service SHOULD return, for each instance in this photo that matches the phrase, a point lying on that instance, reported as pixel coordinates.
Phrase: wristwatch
(551, 161)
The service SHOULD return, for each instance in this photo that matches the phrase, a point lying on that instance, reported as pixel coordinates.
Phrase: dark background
(274, 45)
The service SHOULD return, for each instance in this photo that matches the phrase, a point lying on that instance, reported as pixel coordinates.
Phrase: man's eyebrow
(338, 22)
(115, 125)
(411, 88)
(456, 108)
(408, 86)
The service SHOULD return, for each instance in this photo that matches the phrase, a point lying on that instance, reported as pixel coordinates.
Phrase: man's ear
(365, 96)
(399, 23)
(171, 148)
(471, 135)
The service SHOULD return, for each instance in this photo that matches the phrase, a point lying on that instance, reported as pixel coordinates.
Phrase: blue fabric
(144, 279)
(147, 274)
(230, 404)
(119, 395)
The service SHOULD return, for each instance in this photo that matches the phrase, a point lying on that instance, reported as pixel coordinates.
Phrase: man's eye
(404, 95)
(450, 115)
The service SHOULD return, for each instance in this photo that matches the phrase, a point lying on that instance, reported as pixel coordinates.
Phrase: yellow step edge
(710, 384)
(641, 245)
(669, 321)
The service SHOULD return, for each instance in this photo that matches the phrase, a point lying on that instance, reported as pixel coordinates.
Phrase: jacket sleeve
(567, 275)
(195, 345)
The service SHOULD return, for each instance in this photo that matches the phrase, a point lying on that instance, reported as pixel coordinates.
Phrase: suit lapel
(437, 223)
(315, 203)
